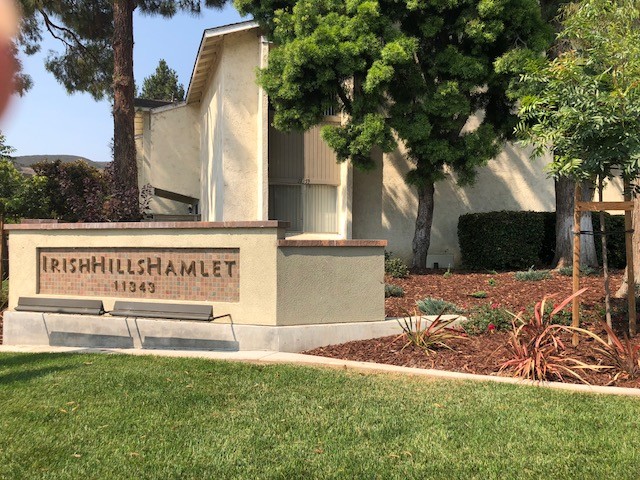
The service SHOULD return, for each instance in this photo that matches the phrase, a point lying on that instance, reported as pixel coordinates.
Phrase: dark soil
(484, 354)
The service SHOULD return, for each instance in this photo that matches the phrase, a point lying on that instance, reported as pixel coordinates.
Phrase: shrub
(536, 350)
(4, 294)
(492, 282)
(393, 290)
(585, 271)
(428, 335)
(532, 275)
(487, 318)
(501, 240)
(437, 306)
(548, 247)
(395, 267)
(623, 355)
(507, 240)
(616, 253)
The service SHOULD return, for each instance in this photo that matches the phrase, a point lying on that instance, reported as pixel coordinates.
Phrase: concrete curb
(271, 357)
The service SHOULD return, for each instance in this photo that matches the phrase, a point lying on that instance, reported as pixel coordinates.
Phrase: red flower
(491, 327)
(495, 305)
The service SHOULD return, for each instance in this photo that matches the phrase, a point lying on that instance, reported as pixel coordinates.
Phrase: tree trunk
(564, 225)
(124, 147)
(588, 245)
(635, 242)
(424, 220)
(564, 222)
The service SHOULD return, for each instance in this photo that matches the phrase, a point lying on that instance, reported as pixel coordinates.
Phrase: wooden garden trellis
(627, 207)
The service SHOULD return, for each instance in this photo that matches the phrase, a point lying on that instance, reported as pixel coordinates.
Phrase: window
(303, 181)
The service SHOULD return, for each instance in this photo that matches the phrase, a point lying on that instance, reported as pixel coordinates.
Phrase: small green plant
(391, 290)
(487, 318)
(492, 282)
(427, 335)
(395, 267)
(536, 350)
(585, 271)
(437, 306)
(479, 294)
(448, 273)
(4, 294)
(532, 275)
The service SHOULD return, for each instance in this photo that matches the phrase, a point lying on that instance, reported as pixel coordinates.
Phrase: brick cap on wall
(145, 225)
(332, 243)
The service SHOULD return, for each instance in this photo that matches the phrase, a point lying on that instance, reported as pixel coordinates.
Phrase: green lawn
(108, 416)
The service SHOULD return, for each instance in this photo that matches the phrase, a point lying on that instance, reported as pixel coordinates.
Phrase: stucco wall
(281, 282)
(257, 264)
(175, 148)
(386, 209)
(168, 154)
(210, 145)
(230, 151)
(330, 284)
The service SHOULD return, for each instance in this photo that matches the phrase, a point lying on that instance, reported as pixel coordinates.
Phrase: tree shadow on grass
(27, 366)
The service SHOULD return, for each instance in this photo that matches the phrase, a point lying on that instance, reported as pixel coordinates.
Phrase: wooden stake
(575, 312)
(631, 283)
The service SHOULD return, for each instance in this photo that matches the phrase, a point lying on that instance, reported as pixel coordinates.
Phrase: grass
(107, 416)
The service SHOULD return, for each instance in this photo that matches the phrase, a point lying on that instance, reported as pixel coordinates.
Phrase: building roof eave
(208, 53)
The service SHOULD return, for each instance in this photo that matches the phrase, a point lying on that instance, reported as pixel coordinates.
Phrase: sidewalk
(272, 357)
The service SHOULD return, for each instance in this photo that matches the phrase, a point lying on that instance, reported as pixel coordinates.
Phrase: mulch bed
(483, 354)
(508, 292)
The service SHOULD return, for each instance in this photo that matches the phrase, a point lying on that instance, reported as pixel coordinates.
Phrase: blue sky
(49, 121)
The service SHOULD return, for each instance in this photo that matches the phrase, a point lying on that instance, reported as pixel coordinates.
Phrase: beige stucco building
(216, 155)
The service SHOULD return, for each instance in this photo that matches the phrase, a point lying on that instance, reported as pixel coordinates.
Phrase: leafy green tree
(404, 71)
(98, 58)
(5, 150)
(584, 105)
(163, 85)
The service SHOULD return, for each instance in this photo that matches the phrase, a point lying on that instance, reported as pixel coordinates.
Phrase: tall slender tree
(585, 104)
(163, 84)
(97, 36)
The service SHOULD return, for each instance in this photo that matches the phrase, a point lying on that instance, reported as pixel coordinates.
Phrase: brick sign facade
(199, 274)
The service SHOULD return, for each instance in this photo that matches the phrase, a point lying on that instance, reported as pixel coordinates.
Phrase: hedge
(616, 251)
(501, 240)
(509, 240)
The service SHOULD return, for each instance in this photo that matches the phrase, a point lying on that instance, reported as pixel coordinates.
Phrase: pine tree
(98, 59)
(163, 85)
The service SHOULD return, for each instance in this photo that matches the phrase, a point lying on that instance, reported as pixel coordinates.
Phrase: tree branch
(78, 43)
(344, 99)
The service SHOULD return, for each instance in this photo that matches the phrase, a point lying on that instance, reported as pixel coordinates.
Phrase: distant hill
(24, 162)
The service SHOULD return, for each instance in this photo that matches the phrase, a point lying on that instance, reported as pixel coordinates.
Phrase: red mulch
(483, 354)
(508, 292)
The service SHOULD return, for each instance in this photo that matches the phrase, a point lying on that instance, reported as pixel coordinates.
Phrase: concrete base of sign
(30, 328)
